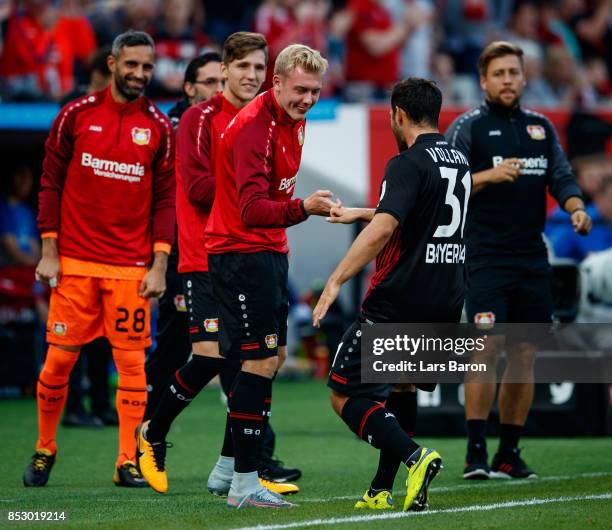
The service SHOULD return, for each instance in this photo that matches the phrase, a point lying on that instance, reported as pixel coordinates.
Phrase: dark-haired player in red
(106, 214)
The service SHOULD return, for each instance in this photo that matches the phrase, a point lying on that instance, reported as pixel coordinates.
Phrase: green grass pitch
(574, 491)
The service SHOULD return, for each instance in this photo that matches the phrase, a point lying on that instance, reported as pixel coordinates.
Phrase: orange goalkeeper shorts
(84, 308)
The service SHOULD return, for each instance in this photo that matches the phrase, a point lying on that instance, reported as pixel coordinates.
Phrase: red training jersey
(197, 139)
(108, 187)
(256, 168)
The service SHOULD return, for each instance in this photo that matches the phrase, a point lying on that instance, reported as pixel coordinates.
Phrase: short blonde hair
(299, 55)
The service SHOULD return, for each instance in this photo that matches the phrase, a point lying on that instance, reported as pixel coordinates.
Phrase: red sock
(51, 393)
(131, 399)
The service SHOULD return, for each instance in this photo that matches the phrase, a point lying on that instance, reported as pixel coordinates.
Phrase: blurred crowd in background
(48, 46)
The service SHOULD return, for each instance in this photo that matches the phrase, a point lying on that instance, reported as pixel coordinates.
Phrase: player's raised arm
(364, 249)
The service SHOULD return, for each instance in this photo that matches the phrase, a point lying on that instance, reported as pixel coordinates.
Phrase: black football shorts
(202, 307)
(345, 373)
(509, 294)
(251, 290)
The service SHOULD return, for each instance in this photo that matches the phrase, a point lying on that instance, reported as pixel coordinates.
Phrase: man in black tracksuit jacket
(515, 156)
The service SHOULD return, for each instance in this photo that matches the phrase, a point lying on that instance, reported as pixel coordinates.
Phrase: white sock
(225, 464)
(245, 482)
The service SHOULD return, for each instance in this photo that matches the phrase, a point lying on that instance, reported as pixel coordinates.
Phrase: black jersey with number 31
(420, 272)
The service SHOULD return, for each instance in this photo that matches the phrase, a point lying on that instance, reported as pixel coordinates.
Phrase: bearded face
(132, 70)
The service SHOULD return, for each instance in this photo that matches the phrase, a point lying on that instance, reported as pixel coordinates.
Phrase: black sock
(373, 423)
(228, 444)
(267, 445)
(187, 383)
(404, 406)
(476, 430)
(249, 409)
(227, 376)
(265, 432)
(509, 436)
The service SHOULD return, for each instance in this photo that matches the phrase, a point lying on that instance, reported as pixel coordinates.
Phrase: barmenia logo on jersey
(529, 166)
(287, 184)
(141, 136)
(113, 169)
(211, 325)
(537, 132)
(271, 341)
(59, 328)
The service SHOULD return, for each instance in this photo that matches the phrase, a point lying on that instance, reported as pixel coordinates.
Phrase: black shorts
(253, 304)
(202, 307)
(507, 294)
(345, 373)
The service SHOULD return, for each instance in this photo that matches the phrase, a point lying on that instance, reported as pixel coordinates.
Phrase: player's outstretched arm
(364, 249)
(154, 282)
(340, 214)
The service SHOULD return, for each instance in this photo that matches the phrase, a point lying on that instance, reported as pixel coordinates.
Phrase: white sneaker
(260, 498)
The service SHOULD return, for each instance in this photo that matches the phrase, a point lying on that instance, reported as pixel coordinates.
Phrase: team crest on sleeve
(141, 136)
(537, 132)
(300, 135)
(271, 341)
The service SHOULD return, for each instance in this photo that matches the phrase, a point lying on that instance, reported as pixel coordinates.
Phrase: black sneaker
(476, 467)
(511, 465)
(38, 470)
(273, 470)
(128, 475)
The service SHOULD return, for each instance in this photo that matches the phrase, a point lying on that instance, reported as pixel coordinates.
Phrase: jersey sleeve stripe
(69, 110)
(464, 120)
(164, 123)
(203, 113)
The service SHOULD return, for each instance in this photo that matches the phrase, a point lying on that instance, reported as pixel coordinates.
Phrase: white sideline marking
(491, 483)
(442, 489)
(400, 515)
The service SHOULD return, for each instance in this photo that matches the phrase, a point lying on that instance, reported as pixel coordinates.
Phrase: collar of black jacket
(501, 110)
(429, 137)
